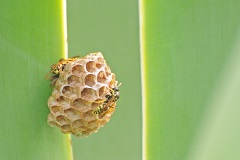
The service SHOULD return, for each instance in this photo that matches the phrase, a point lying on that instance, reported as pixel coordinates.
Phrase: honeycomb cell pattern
(81, 87)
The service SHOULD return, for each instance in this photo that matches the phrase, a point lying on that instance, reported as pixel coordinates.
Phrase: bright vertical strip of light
(142, 49)
(64, 18)
(65, 54)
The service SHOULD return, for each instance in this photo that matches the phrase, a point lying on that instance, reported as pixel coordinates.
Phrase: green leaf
(187, 51)
(31, 40)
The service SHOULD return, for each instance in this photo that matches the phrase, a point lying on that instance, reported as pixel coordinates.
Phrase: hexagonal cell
(78, 70)
(60, 99)
(100, 63)
(90, 80)
(72, 113)
(91, 66)
(100, 60)
(93, 124)
(55, 109)
(66, 128)
(89, 94)
(89, 116)
(64, 102)
(101, 77)
(107, 71)
(61, 120)
(78, 123)
(53, 124)
(81, 105)
(55, 95)
(74, 80)
(69, 91)
(51, 120)
(51, 117)
(102, 92)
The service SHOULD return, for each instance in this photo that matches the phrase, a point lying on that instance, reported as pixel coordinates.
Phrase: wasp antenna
(119, 85)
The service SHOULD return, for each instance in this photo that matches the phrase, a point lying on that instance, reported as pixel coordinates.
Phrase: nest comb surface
(80, 88)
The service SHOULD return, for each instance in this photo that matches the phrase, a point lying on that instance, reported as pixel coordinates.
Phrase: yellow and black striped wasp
(107, 104)
(57, 68)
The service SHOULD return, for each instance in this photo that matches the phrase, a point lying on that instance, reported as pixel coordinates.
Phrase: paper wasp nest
(82, 86)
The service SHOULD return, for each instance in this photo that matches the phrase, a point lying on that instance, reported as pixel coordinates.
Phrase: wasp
(107, 104)
(57, 68)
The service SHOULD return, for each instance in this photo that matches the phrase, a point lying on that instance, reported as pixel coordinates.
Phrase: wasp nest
(84, 95)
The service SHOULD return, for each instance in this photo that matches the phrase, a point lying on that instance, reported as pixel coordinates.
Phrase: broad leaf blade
(185, 46)
(31, 39)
